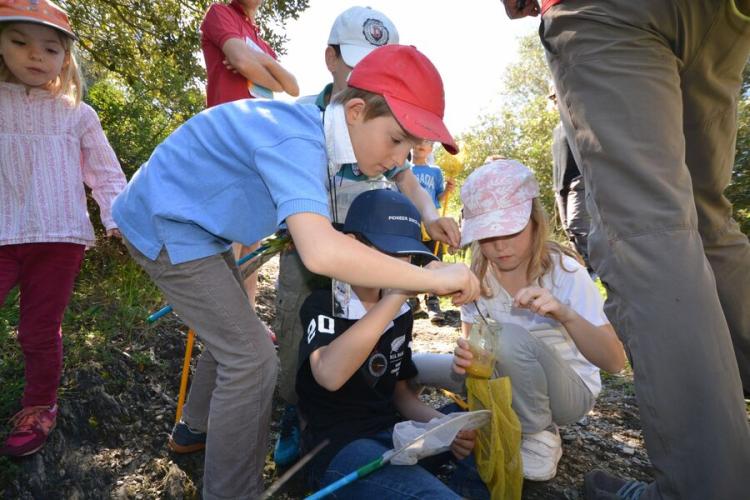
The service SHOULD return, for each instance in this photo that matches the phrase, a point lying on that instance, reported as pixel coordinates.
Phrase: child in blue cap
(355, 363)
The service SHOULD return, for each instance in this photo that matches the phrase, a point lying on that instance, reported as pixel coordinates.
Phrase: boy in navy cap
(354, 366)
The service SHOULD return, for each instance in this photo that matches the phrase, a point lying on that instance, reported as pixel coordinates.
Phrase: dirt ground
(113, 427)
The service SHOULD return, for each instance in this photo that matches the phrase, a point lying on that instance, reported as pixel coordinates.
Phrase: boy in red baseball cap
(356, 32)
(239, 171)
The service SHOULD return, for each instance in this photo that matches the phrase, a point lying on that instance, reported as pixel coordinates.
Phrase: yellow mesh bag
(498, 446)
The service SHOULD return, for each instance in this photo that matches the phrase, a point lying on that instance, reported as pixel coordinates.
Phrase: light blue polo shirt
(233, 172)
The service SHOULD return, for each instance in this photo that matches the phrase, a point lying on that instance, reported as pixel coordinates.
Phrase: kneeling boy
(352, 379)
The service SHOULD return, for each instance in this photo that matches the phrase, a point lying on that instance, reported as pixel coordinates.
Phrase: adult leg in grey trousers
(232, 388)
(626, 73)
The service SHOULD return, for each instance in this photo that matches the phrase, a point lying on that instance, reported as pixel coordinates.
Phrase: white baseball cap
(359, 30)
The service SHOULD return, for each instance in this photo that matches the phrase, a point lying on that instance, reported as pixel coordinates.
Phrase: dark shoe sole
(24, 453)
(191, 448)
(599, 485)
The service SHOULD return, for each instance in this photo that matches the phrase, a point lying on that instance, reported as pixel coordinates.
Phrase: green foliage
(105, 318)
(143, 64)
(107, 312)
(11, 359)
(739, 190)
(522, 128)
(529, 78)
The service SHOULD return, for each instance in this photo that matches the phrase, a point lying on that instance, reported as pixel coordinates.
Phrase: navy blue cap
(389, 221)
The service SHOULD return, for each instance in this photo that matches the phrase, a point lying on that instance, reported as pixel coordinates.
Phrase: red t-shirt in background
(546, 4)
(221, 23)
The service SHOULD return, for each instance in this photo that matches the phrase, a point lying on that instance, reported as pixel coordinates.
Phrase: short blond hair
(69, 82)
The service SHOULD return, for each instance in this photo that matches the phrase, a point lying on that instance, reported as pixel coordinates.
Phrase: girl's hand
(463, 444)
(462, 356)
(540, 301)
(114, 233)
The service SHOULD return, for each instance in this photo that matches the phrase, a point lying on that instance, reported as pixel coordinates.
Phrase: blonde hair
(543, 250)
(69, 82)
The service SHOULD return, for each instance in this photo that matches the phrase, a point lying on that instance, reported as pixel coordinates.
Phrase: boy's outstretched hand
(455, 280)
(444, 229)
(114, 233)
(463, 444)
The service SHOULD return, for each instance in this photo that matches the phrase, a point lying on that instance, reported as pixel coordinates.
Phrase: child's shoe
(416, 308)
(31, 426)
(286, 451)
(186, 440)
(437, 317)
(540, 453)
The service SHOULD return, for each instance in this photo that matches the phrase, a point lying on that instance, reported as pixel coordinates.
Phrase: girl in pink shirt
(50, 145)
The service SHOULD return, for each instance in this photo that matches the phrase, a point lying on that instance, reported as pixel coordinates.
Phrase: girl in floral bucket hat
(51, 144)
(554, 336)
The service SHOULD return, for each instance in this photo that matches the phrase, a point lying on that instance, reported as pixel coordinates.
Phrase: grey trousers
(232, 387)
(577, 218)
(546, 390)
(648, 93)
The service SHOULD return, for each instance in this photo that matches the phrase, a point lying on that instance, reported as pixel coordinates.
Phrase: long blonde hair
(543, 250)
(69, 82)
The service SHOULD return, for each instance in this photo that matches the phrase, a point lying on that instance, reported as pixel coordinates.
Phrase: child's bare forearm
(285, 79)
(258, 67)
(598, 344)
(335, 363)
(410, 406)
(326, 251)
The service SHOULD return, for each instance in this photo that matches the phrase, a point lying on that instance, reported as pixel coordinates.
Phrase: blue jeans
(400, 481)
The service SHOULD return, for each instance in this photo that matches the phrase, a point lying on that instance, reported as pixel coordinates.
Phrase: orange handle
(446, 194)
(185, 372)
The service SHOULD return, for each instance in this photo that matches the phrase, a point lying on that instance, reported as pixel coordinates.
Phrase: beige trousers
(232, 388)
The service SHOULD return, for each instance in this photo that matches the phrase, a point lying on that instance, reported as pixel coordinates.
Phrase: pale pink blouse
(48, 151)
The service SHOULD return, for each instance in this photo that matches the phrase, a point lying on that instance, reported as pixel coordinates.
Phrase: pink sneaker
(31, 426)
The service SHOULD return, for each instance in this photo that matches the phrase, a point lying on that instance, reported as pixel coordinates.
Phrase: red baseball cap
(411, 86)
(38, 12)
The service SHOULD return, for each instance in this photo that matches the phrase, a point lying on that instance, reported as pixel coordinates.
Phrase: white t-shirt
(574, 289)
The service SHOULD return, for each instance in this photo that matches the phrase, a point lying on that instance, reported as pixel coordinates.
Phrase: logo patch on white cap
(375, 32)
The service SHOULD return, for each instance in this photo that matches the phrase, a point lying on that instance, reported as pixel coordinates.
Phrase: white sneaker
(540, 453)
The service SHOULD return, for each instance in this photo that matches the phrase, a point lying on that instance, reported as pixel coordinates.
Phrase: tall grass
(106, 315)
